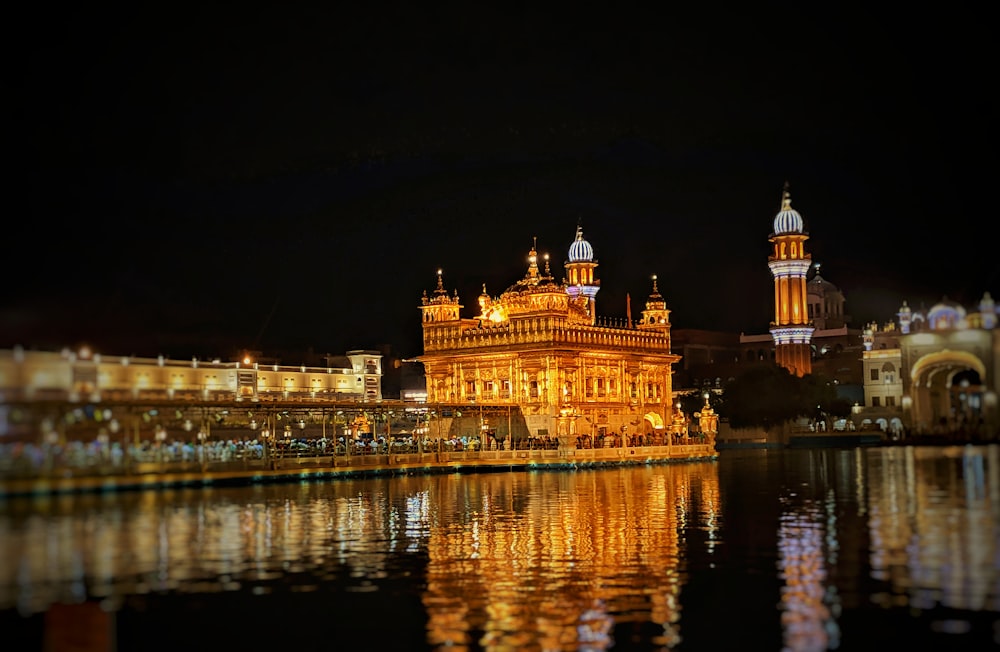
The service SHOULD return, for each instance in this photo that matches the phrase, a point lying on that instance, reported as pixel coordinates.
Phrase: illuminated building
(711, 358)
(87, 376)
(540, 349)
(934, 371)
(74, 377)
(810, 333)
(791, 329)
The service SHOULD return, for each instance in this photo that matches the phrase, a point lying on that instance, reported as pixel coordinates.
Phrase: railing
(30, 463)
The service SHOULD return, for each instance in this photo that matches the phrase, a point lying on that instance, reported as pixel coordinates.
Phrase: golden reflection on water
(553, 560)
(543, 560)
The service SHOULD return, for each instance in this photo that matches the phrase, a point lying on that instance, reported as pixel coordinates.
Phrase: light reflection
(566, 566)
(527, 559)
(936, 546)
(547, 560)
(806, 618)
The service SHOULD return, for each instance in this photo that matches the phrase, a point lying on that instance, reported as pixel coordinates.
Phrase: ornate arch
(654, 419)
(947, 357)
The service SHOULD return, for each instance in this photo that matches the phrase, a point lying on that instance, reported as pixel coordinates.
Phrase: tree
(766, 395)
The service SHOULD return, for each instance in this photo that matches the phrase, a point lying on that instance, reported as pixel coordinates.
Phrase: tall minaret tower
(580, 266)
(791, 329)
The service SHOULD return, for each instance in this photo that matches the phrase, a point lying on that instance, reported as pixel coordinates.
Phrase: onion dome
(788, 219)
(987, 305)
(580, 251)
(946, 314)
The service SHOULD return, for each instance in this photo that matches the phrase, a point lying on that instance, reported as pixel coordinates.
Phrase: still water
(850, 549)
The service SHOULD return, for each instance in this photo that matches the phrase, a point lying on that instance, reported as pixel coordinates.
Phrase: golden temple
(540, 350)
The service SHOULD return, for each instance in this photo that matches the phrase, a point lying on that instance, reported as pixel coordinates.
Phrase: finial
(548, 272)
(533, 259)
(786, 198)
(655, 290)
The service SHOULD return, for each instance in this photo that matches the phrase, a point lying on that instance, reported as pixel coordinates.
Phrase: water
(850, 549)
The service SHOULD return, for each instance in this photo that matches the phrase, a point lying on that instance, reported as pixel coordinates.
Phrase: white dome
(788, 219)
(580, 251)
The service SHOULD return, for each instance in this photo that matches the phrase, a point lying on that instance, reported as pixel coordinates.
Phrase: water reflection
(556, 560)
(935, 527)
(825, 547)
(548, 559)
(808, 605)
(929, 519)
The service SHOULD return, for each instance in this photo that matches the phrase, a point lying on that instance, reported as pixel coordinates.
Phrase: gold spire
(786, 198)
(533, 259)
(440, 286)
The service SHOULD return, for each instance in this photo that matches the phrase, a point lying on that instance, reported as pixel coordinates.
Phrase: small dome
(788, 219)
(945, 314)
(580, 251)
(818, 284)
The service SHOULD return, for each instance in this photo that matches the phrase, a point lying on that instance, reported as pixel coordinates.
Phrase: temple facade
(541, 350)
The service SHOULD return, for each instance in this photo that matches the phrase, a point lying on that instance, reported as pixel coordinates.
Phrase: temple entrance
(652, 429)
(948, 394)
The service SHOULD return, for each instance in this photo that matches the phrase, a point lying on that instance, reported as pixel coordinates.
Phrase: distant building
(89, 376)
(810, 333)
(934, 371)
(708, 359)
(412, 382)
(711, 358)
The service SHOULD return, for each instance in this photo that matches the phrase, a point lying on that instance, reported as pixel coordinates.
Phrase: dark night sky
(189, 184)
